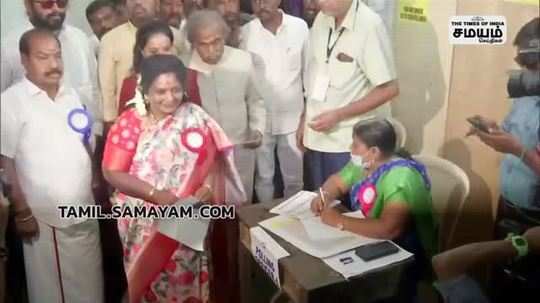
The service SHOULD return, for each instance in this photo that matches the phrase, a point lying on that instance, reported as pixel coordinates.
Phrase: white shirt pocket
(341, 72)
(294, 59)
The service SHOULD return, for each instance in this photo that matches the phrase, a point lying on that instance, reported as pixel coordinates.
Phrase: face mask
(357, 160)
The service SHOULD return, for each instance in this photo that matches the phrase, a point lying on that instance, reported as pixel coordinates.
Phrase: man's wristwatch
(520, 244)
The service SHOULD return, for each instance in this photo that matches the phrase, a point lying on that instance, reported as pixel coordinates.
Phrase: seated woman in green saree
(392, 191)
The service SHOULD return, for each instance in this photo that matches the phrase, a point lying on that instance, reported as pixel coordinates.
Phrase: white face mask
(358, 160)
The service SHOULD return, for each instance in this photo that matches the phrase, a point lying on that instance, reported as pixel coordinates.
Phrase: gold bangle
(28, 218)
(152, 192)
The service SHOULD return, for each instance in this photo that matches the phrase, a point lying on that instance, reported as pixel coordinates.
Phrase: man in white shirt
(79, 59)
(102, 16)
(48, 165)
(351, 76)
(281, 41)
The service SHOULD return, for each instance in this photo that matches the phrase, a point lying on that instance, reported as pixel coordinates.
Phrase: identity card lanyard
(330, 48)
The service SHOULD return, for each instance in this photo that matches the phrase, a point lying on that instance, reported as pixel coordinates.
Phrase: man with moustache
(47, 164)
(280, 40)
(172, 11)
(350, 77)
(102, 16)
(79, 59)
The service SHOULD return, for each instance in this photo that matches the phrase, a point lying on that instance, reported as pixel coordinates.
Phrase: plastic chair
(401, 132)
(449, 189)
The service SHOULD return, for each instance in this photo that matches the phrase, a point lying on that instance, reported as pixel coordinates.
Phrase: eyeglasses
(48, 4)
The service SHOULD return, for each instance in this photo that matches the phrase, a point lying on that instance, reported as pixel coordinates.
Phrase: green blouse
(401, 185)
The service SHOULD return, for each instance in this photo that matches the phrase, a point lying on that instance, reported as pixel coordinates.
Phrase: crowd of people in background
(168, 99)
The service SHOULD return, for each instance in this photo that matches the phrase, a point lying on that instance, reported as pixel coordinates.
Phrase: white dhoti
(290, 165)
(63, 265)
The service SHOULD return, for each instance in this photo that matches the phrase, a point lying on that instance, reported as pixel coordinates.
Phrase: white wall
(424, 64)
(13, 14)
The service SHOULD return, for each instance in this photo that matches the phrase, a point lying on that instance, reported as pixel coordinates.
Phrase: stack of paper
(298, 206)
(292, 230)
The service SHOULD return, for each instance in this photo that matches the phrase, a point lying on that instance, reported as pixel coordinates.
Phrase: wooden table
(305, 278)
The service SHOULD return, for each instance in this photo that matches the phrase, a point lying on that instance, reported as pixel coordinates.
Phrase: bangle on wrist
(25, 219)
(152, 192)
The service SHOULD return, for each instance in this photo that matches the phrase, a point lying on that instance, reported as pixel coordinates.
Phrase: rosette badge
(193, 139)
(80, 121)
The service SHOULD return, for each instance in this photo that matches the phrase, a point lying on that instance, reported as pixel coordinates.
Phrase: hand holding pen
(318, 204)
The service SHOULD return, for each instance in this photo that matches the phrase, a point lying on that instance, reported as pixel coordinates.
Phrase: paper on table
(297, 206)
(188, 231)
(317, 230)
(292, 231)
(349, 264)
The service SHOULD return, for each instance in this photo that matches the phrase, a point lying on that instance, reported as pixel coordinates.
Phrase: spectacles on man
(48, 4)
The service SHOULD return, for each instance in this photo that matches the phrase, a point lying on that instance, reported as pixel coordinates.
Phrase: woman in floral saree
(157, 153)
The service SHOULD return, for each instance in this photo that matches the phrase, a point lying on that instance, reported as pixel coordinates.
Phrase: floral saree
(180, 153)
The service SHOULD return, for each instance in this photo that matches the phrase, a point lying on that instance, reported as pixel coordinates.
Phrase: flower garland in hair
(138, 99)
